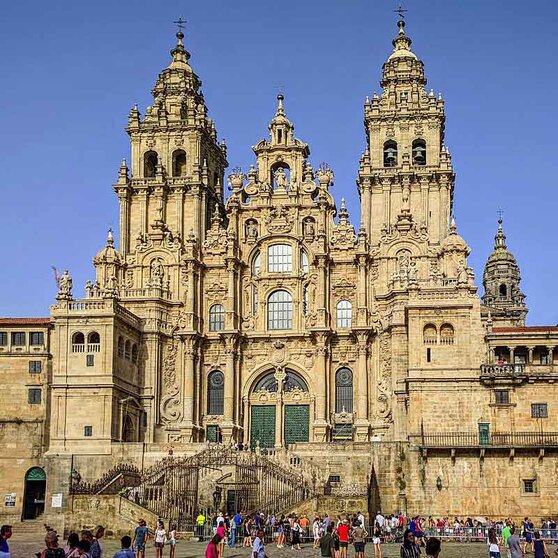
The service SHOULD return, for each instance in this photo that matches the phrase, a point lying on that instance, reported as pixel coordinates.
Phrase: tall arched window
(120, 347)
(344, 314)
(344, 391)
(419, 152)
(390, 154)
(430, 334)
(150, 162)
(447, 334)
(280, 310)
(280, 258)
(256, 265)
(217, 318)
(179, 163)
(503, 291)
(304, 262)
(134, 353)
(128, 350)
(215, 393)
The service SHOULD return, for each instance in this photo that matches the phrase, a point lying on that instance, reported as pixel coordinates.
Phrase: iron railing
(494, 439)
(502, 370)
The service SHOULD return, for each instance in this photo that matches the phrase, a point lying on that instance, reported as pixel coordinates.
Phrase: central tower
(405, 173)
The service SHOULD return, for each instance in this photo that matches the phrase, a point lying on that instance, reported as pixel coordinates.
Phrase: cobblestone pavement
(187, 549)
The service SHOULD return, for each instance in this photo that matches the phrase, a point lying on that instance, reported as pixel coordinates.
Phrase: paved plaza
(187, 549)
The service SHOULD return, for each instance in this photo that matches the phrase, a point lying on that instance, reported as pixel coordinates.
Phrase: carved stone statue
(157, 273)
(280, 178)
(251, 230)
(65, 284)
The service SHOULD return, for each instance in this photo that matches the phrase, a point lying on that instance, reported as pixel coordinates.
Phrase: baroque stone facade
(268, 319)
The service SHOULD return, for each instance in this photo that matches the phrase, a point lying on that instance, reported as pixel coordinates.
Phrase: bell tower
(501, 278)
(177, 166)
(405, 176)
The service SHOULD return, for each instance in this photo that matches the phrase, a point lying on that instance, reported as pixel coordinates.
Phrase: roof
(525, 329)
(24, 321)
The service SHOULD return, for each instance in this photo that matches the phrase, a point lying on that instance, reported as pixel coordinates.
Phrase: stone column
(530, 356)
(124, 222)
(361, 388)
(321, 422)
(189, 356)
(550, 349)
(512, 354)
(321, 294)
(230, 310)
(228, 426)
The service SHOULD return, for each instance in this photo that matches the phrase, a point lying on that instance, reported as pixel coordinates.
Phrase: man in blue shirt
(125, 550)
(140, 538)
(258, 548)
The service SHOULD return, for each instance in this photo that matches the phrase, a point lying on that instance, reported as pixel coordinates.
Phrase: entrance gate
(34, 498)
(297, 418)
(263, 426)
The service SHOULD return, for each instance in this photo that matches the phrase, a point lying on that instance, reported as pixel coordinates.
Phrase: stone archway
(34, 493)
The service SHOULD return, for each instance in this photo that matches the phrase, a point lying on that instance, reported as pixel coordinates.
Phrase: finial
(401, 13)
(110, 238)
(343, 213)
(500, 220)
(280, 107)
(453, 225)
(179, 54)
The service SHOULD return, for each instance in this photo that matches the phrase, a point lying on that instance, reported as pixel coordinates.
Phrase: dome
(108, 254)
(453, 242)
(402, 45)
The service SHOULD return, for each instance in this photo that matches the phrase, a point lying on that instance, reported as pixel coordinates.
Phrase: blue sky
(72, 70)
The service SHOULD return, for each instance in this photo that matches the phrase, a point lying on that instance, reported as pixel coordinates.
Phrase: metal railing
(494, 439)
(502, 370)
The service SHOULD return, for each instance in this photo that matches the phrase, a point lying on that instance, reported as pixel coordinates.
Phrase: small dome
(453, 242)
(108, 254)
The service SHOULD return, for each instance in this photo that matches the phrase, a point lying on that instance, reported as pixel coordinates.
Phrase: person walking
(160, 539)
(96, 548)
(359, 535)
(343, 534)
(212, 548)
(377, 541)
(514, 545)
(539, 547)
(493, 544)
(280, 541)
(222, 532)
(172, 540)
(316, 532)
(409, 548)
(141, 535)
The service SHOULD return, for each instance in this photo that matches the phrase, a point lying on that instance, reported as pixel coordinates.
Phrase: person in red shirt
(343, 533)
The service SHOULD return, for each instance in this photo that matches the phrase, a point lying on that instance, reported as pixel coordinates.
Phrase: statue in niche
(309, 229)
(280, 178)
(157, 273)
(252, 230)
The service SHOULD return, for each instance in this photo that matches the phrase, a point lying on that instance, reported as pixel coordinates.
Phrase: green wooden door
(297, 418)
(484, 433)
(263, 426)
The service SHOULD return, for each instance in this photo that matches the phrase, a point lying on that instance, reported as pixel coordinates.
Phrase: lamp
(439, 483)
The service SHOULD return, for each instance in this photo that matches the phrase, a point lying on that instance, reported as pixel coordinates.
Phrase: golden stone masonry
(262, 353)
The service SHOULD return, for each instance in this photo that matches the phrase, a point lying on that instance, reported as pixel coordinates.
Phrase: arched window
(280, 258)
(280, 310)
(293, 381)
(150, 162)
(179, 163)
(419, 152)
(134, 353)
(304, 265)
(344, 314)
(344, 391)
(78, 342)
(128, 350)
(120, 347)
(503, 291)
(430, 334)
(390, 154)
(256, 268)
(93, 342)
(217, 318)
(446, 334)
(215, 393)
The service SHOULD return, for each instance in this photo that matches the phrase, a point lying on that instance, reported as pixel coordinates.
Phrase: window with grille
(88, 431)
(36, 338)
(3, 338)
(215, 393)
(18, 338)
(539, 410)
(502, 397)
(34, 396)
(213, 433)
(344, 314)
(343, 432)
(344, 391)
(280, 310)
(35, 366)
(529, 486)
(280, 258)
(217, 317)
(89, 360)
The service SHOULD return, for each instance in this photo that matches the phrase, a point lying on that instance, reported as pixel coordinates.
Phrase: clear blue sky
(71, 71)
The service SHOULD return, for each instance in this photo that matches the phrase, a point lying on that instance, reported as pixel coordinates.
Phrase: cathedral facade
(268, 320)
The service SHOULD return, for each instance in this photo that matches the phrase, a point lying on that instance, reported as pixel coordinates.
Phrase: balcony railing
(502, 370)
(493, 440)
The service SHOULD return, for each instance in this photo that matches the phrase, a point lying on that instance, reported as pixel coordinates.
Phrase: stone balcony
(516, 374)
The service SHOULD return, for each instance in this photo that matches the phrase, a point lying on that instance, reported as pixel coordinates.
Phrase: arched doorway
(34, 494)
(279, 410)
